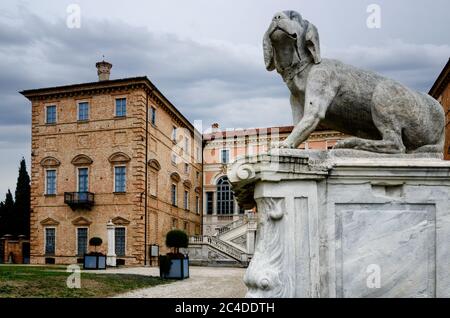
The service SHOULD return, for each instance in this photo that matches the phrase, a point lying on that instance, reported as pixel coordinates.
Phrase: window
(224, 156)
(174, 159)
(50, 114)
(50, 182)
(186, 145)
(186, 200)
(83, 179)
(119, 179)
(197, 204)
(225, 197)
(197, 178)
(173, 193)
(121, 107)
(174, 134)
(209, 202)
(50, 241)
(83, 111)
(119, 237)
(153, 115)
(198, 154)
(82, 240)
(186, 168)
(153, 186)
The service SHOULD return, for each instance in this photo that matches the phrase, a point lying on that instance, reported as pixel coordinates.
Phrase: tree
(95, 241)
(22, 202)
(6, 215)
(2, 217)
(176, 239)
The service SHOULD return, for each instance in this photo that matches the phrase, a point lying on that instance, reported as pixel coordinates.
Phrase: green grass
(50, 281)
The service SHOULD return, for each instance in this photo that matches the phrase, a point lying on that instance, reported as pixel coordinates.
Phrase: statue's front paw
(286, 145)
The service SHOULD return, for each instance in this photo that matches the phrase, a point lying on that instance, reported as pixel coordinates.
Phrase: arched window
(225, 197)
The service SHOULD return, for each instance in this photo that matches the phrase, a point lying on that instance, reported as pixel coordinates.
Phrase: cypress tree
(22, 202)
(7, 215)
(2, 217)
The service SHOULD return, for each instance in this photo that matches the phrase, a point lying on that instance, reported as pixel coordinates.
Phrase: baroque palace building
(441, 91)
(228, 230)
(111, 152)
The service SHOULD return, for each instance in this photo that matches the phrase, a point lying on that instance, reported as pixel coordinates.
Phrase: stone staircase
(221, 246)
(226, 248)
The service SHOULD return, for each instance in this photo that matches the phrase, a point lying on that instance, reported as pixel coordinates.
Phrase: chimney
(215, 127)
(103, 70)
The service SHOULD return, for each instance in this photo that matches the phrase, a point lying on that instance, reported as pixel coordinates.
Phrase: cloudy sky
(204, 55)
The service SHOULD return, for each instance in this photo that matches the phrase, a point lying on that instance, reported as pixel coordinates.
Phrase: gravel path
(204, 282)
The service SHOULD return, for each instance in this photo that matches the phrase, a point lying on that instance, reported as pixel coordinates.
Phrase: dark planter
(94, 262)
(178, 268)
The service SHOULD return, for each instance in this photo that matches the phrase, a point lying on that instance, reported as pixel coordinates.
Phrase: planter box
(179, 268)
(94, 262)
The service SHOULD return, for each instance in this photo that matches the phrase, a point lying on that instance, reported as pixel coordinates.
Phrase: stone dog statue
(382, 114)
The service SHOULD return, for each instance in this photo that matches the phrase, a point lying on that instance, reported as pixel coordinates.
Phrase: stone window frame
(186, 203)
(198, 154)
(46, 114)
(228, 150)
(46, 182)
(197, 204)
(76, 238)
(88, 110)
(224, 202)
(88, 177)
(174, 196)
(116, 98)
(125, 238)
(173, 135)
(45, 239)
(153, 115)
(187, 145)
(119, 165)
(154, 168)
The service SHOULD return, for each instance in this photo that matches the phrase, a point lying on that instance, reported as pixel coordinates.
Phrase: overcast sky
(205, 56)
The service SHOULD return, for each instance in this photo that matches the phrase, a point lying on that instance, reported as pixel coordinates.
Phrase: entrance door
(26, 252)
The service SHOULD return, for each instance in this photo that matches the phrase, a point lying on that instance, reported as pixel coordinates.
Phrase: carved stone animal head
(290, 40)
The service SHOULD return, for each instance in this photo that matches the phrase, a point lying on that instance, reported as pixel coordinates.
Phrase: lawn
(50, 281)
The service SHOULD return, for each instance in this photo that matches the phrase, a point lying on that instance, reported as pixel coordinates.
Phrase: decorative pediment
(49, 222)
(49, 162)
(81, 160)
(154, 164)
(175, 177)
(198, 190)
(187, 184)
(119, 157)
(81, 221)
(120, 221)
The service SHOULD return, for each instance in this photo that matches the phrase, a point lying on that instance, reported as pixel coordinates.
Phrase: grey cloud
(209, 80)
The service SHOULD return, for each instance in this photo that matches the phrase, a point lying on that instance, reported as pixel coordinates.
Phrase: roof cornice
(441, 82)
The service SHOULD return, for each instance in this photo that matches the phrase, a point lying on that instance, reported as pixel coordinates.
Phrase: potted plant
(175, 264)
(94, 260)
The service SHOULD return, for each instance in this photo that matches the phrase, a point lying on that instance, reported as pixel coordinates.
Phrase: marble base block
(333, 226)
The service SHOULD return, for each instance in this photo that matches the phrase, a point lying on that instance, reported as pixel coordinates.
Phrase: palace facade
(110, 151)
(223, 147)
(441, 91)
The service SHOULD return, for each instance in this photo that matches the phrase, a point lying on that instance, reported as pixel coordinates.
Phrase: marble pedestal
(332, 226)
